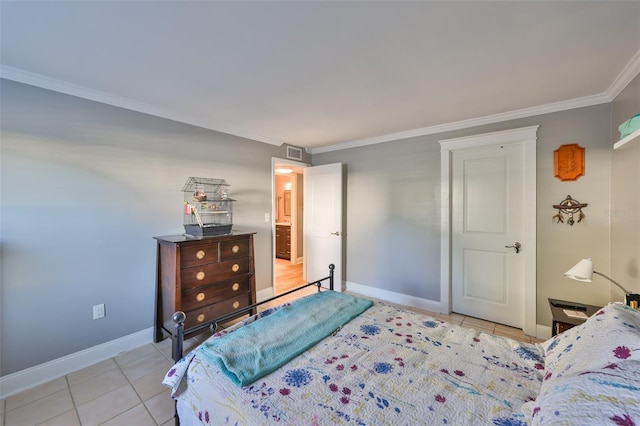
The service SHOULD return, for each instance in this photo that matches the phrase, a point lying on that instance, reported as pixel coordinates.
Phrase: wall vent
(294, 153)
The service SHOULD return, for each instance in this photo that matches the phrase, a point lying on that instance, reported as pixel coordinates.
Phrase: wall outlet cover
(98, 311)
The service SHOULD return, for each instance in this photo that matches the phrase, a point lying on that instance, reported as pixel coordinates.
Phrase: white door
(454, 267)
(487, 233)
(323, 222)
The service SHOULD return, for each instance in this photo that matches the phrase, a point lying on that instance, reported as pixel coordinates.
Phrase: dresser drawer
(202, 277)
(211, 312)
(198, 255)
(234, 249)
(214, 293)
(198, 276)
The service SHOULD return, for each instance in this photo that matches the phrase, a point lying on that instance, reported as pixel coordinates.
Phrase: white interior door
(323, 222)
(487, 218)
(452, 262)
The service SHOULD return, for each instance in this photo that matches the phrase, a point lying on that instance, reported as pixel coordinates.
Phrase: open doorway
(288, 224)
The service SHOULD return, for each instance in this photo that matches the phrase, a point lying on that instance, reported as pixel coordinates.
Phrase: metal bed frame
(177, 338)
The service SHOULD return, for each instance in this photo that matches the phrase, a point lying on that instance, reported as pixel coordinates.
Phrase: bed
(382, 365)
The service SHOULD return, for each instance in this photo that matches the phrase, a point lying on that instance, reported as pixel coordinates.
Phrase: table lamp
(583, 271)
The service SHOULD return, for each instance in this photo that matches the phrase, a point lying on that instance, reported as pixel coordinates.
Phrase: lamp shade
(582, 271)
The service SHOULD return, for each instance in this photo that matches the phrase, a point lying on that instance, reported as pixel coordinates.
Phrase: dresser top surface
(181, 238)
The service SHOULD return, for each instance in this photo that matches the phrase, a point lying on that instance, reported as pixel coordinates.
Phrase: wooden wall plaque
(569, 162)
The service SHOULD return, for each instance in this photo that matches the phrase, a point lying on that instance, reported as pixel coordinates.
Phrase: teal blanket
(629, 126)
(257, 349)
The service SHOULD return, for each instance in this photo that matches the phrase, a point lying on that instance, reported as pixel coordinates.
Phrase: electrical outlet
(98, 311)
(266, 217)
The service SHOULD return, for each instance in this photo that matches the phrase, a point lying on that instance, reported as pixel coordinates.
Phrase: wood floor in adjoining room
(288, 276)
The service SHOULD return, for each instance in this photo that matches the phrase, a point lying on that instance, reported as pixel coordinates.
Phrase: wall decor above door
(570, 207)
(568, 162)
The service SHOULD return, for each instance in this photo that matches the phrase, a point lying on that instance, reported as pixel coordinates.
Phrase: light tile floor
(127, 389)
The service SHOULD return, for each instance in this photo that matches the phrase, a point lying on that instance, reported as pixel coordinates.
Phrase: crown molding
(33, 79)
(500, 137)
(473, 122)
(629, 72)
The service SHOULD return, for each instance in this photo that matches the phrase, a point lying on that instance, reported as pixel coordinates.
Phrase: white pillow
(609, 335)
(592, 372)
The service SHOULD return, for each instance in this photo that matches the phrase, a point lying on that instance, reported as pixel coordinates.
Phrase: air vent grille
(294, 153)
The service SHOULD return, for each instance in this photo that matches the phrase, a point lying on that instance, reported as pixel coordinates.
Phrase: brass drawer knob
(200, 254)
(200, 297)
(235, 248)
(200, 318)
(236, 304)
(200, 276)
(235, 286)
(235, 267)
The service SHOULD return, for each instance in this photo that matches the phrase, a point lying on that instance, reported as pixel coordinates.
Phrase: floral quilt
(592, 373)
(388, 366)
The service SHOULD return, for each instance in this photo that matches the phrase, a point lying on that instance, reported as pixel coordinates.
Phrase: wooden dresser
(205, 277)
(283, 241)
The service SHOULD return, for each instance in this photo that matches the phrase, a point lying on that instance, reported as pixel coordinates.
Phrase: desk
(562, 322)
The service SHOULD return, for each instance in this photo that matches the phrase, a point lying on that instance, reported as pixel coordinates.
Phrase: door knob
(516, 246)
(336, 233)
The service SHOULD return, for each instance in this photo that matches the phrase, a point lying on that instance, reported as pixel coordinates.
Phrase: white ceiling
(329, 74)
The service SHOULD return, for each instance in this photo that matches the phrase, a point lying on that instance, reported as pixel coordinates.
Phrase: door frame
(295, 165)
(527, 136)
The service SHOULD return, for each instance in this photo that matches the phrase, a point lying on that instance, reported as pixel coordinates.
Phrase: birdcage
(208, 210)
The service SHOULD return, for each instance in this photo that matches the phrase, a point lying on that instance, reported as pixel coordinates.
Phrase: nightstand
(563, 322)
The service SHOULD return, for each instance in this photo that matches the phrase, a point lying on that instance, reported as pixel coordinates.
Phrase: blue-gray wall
(625, 195)
(393, 208)
(85, 187)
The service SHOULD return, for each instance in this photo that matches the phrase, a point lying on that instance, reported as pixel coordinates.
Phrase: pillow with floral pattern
(605, 396)
(610, 335)
(592, 372)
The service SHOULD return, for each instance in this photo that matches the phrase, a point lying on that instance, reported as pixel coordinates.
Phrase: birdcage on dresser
(208, 210)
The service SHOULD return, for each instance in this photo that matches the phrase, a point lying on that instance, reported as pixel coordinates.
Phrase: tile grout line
(136, 391)
(129, 382)
(73, 400)
(5, 412)
(75, 406)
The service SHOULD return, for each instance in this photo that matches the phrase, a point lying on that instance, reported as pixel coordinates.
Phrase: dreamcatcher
(570, 207)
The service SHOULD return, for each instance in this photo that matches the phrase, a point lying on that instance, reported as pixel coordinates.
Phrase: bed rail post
(177, 339)
(331, 268)
(178, 336)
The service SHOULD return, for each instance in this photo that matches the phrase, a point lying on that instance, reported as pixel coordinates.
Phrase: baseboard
(43, 373)
(393, 297)
(264, 294)
(543, 332)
